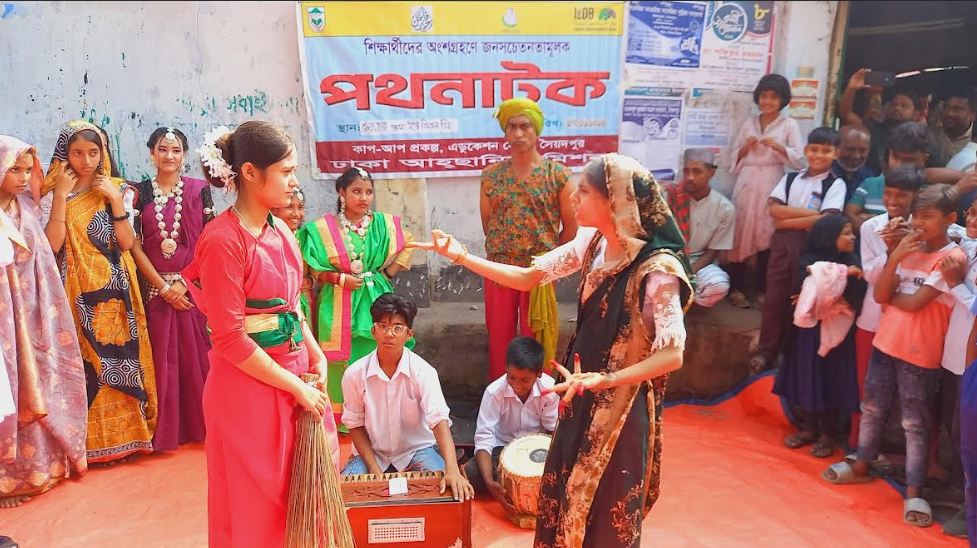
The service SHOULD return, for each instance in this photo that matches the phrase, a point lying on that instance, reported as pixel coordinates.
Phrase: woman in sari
(602, 474)
(245, 277)
(89, 226)
(43, 441)
(354, 255)
(171, 213)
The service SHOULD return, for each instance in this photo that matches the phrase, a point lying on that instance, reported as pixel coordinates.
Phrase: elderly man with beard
(852, 155)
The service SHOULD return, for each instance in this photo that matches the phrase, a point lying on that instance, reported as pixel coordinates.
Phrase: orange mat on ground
(728, 481)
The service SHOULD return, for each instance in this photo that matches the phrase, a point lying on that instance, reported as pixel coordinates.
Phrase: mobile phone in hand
(880, 78)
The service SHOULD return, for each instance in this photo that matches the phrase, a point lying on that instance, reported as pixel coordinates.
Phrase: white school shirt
(805, 192)
(503, 417)
(961, 319)
(399, 413)
(965, 160)
(711, 224)
(874, 255)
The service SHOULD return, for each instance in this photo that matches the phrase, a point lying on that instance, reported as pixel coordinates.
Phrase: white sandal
(920, 506)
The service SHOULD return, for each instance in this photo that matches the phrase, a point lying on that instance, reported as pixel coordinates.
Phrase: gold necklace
(245, 223)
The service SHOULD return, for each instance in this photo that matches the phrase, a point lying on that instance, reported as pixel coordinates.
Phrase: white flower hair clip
(213, 158)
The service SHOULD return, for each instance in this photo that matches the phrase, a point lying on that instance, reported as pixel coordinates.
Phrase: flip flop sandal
(879, 462)
(738, 300)
(798, 440)
(919, 506)
(822, 451)
(844, 474)
(759, 364)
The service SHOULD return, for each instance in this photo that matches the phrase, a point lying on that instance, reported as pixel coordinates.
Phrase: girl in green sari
(353, 255)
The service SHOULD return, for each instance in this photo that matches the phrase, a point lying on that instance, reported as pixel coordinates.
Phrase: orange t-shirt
(917, 337)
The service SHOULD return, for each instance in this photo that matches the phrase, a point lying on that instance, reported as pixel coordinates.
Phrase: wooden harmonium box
(422, 517)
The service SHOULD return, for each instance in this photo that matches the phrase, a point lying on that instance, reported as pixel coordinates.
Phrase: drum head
(526, 455)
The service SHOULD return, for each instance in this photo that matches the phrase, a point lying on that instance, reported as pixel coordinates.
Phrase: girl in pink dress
(246, 277)
(765, 146)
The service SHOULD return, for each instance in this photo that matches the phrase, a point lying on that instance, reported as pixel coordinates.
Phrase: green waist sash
(273, 328)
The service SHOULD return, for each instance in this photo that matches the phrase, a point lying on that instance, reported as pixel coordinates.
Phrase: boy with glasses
(393, 405)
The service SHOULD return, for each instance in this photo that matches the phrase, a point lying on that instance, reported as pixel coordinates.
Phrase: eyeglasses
(396, 330)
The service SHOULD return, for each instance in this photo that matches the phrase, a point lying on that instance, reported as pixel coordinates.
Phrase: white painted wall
(133, 66)
(803, 39)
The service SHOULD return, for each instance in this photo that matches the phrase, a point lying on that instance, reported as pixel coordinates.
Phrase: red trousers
(506, 317)
(863, 351)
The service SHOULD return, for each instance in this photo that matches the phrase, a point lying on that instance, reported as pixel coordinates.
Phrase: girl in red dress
(246, 278)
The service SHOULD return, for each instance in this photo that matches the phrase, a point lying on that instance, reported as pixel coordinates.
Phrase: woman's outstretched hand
(575, 383)
(442, 243)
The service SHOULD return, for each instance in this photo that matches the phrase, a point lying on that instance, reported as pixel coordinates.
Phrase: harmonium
(421, 517)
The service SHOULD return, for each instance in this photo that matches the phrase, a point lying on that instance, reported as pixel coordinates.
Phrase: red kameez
(250, 425)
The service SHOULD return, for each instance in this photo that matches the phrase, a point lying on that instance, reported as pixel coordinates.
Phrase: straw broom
(316, 513)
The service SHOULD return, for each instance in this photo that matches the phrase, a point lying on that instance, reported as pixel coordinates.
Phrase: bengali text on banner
(411, 94)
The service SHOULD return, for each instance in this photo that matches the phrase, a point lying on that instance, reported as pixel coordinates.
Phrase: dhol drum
(520, 472)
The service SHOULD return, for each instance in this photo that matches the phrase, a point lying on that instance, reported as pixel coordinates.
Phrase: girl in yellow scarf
(89, 226)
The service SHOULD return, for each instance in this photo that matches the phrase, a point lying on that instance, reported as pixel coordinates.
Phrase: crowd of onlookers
(858, 246)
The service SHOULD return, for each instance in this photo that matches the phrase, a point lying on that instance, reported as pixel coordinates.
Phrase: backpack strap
(826, 184)
(790, 180)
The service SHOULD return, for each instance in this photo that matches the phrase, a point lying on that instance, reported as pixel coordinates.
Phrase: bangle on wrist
(124, 217)
(461, 257)
(166, 288)
(342, 279)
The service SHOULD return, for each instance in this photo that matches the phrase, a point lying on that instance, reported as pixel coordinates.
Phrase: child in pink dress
(765, 146)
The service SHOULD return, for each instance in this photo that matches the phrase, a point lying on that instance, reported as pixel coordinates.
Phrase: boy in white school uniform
(796, 204)
(393, 405)
(514, 405)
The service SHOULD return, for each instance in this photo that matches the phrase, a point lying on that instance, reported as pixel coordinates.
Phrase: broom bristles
(316, 513)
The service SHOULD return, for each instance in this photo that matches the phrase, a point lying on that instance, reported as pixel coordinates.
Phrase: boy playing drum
(513, 405)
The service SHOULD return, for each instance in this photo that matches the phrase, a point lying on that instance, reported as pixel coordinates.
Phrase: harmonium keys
(423, 517)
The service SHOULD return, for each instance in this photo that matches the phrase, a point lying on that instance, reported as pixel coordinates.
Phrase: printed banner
(652, 130)
(411, 93)
(735, 50)
(667, 34)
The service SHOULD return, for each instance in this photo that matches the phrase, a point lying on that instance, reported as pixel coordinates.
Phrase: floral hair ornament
(363, 174)
(213, 158)
(170, 134)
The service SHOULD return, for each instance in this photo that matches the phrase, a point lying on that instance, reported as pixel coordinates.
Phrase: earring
(342, 205)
